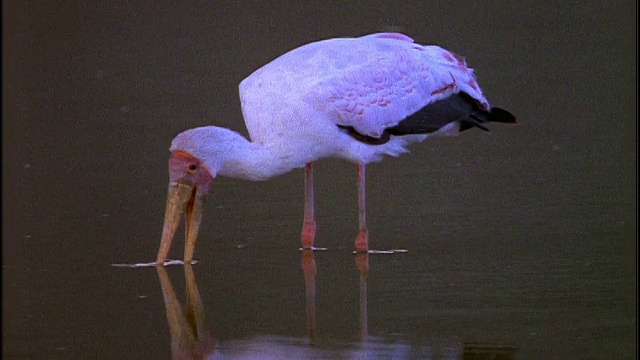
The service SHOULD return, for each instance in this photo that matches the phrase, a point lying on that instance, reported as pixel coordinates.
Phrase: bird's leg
(362, 240)
(309, 225)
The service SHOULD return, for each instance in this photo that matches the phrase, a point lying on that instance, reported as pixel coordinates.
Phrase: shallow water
(520, 244)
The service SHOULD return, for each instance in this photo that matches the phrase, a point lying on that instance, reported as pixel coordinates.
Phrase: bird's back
(368, 83)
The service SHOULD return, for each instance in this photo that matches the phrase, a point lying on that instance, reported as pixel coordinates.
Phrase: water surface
(521, 244)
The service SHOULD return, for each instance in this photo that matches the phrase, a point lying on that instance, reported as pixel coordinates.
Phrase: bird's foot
(391, 251)
(313, 248)
(150, 264)
(362, 240)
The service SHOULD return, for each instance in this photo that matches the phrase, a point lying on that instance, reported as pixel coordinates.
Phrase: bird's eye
(192, 167)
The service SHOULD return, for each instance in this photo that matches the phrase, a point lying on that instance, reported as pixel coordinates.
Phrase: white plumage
(341, 98)
(370, 83)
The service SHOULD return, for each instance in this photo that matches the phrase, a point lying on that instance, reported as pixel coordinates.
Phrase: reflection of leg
(362, 240)
(309, 269)
(309, 225)
(362, 262)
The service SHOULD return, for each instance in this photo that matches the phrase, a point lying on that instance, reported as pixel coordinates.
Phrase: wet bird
(358, 99)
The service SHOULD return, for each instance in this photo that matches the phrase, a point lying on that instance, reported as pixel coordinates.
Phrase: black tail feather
(500, 115)
(474, 120)
(497, 115)
(460, 107)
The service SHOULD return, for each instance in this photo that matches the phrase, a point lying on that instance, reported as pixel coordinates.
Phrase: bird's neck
(255, 162)
(227, 153)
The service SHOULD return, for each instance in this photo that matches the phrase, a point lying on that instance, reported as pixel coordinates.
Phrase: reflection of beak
(190, 338)
(181, 197)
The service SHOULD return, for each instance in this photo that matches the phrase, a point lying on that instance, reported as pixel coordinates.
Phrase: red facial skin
(189, 183)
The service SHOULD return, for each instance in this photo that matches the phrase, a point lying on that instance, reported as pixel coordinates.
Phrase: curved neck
(256, 162)
(227, 153)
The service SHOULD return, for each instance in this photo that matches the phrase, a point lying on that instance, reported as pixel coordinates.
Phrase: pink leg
(362, 241)
(309, 225)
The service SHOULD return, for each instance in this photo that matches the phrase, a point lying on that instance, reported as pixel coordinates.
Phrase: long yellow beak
(181, 198)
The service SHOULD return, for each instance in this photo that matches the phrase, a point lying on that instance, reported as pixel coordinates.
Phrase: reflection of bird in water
(353, 98)
(310, 270)
(488, 351)
(190, 338)
(370, 348)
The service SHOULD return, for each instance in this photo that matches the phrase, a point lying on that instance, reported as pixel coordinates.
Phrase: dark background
(524, 238)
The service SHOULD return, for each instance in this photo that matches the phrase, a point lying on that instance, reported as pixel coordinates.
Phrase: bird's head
(198, 156)
(190, 179)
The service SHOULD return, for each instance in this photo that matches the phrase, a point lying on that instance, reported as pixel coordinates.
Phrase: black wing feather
(459, 107)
